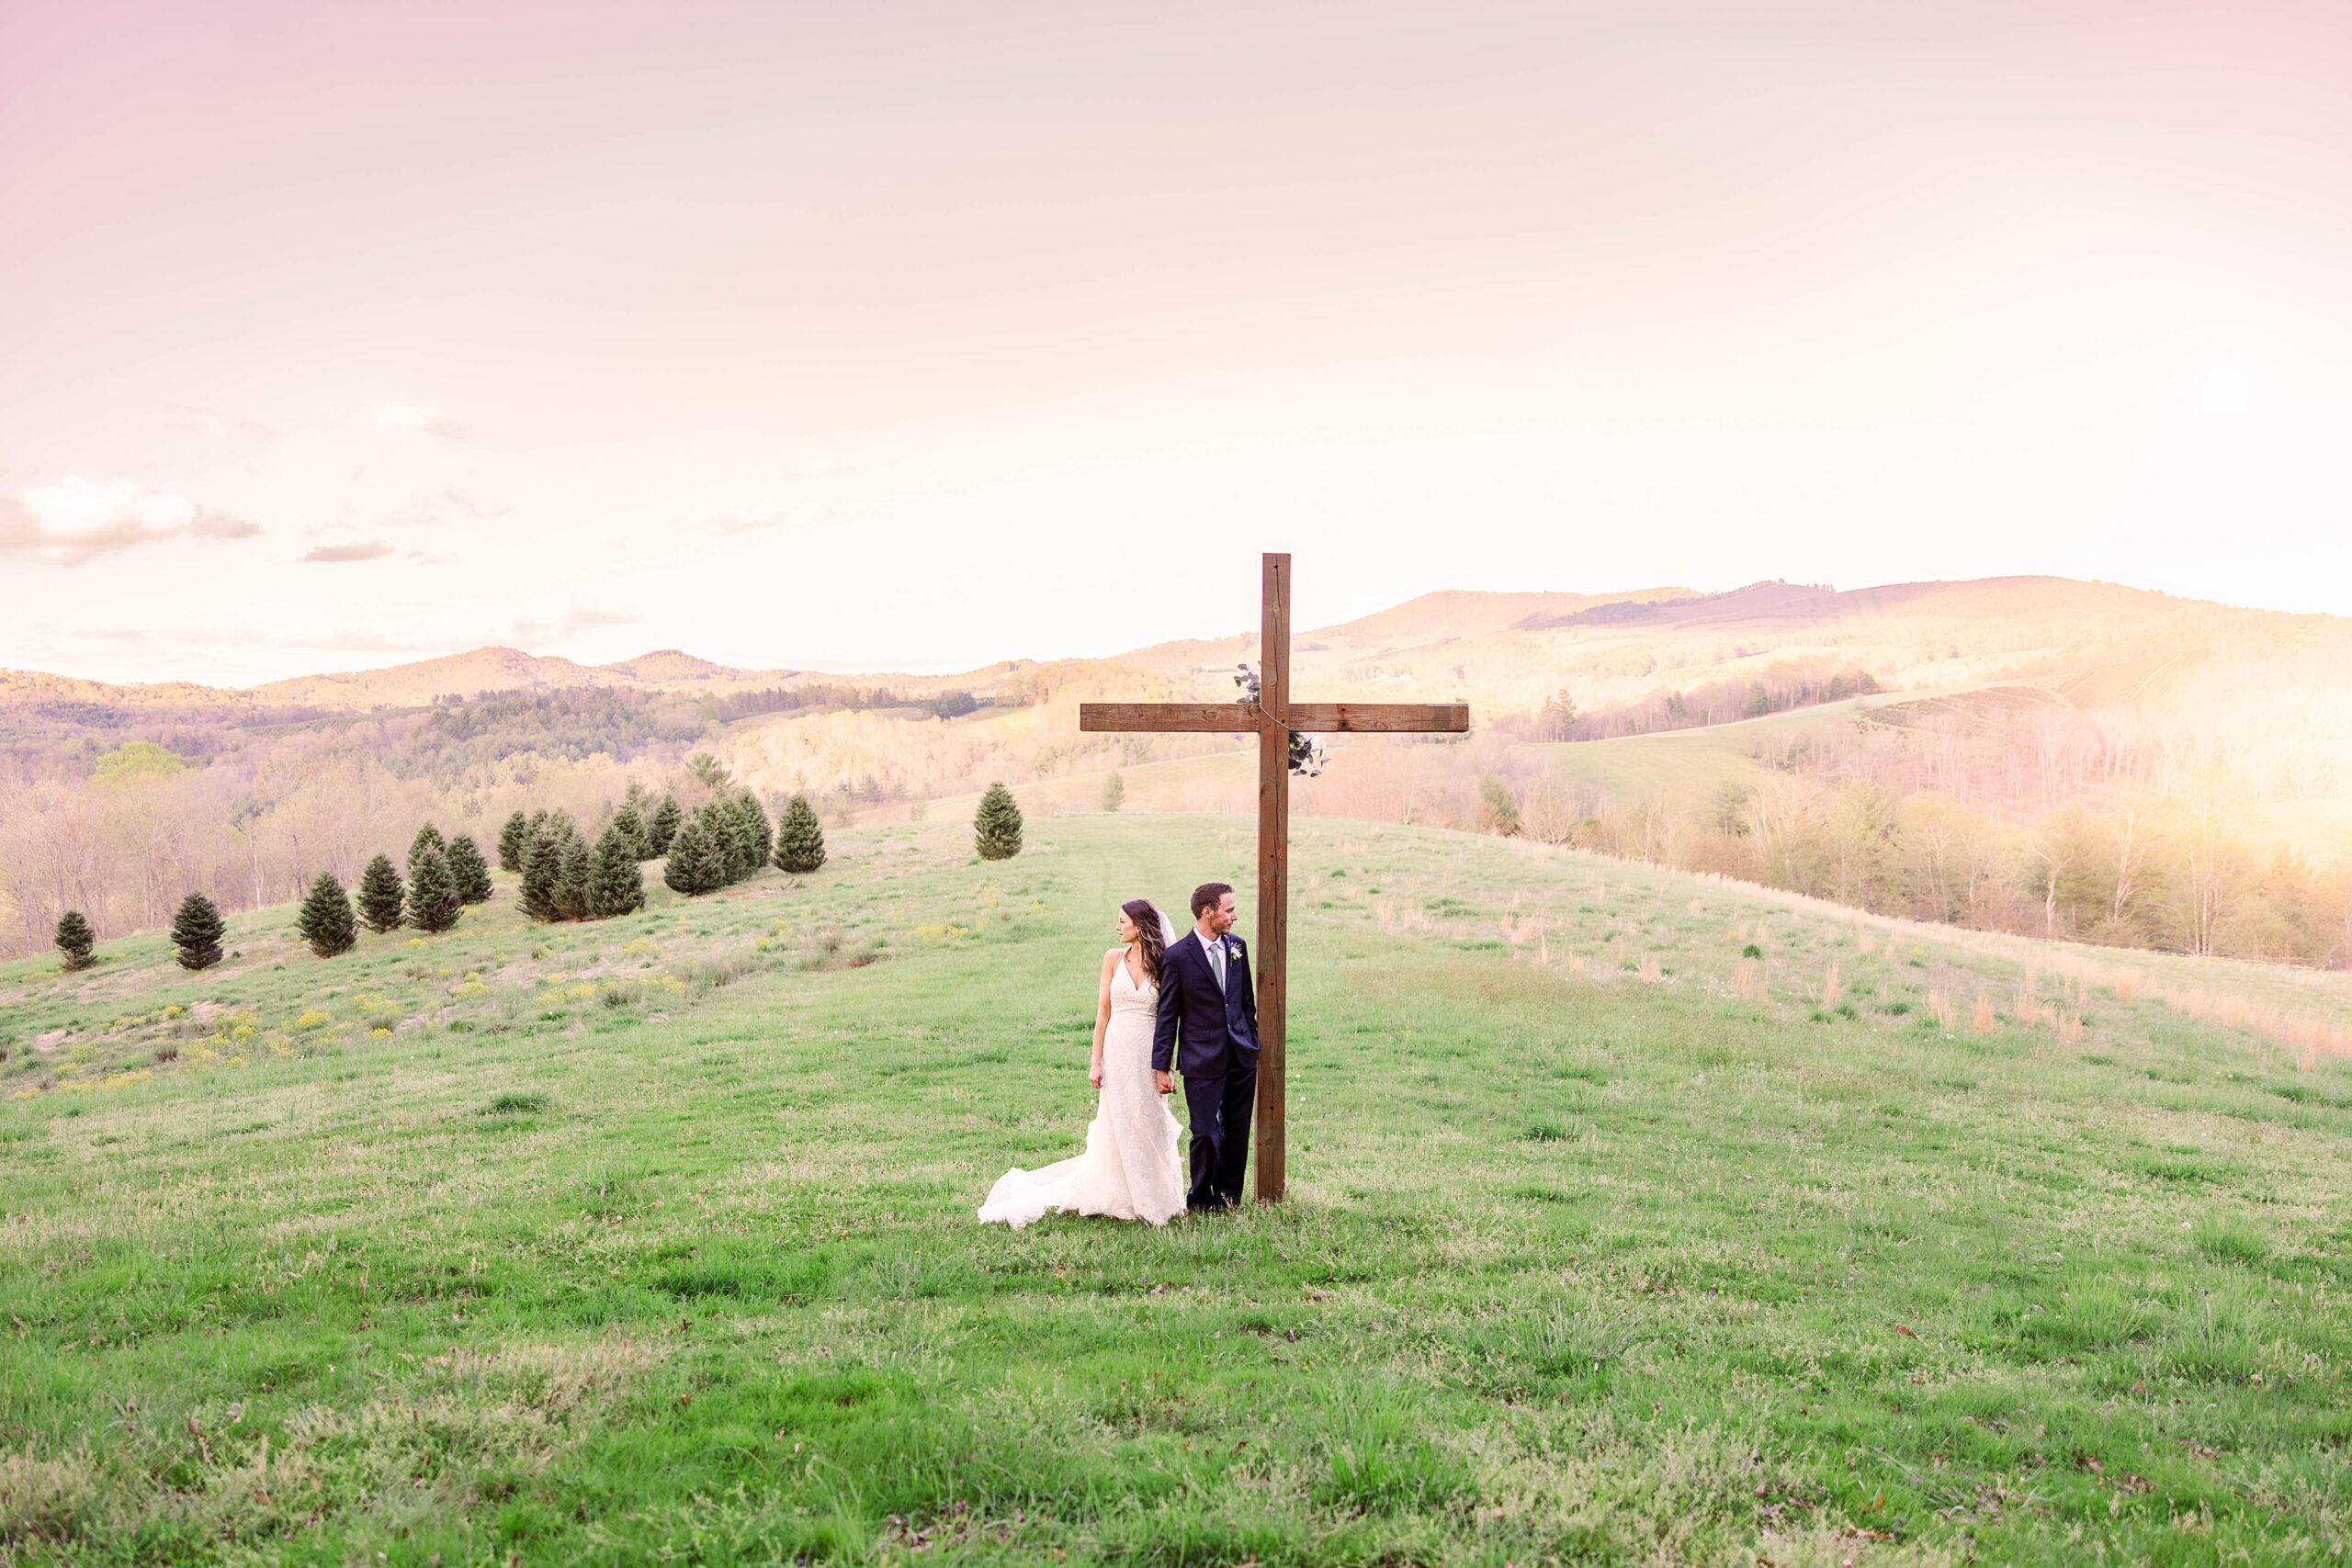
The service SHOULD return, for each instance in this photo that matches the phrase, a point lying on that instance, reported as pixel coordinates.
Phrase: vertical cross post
(1273, 872)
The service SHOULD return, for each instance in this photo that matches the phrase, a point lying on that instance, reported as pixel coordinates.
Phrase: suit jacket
(1203, 1033)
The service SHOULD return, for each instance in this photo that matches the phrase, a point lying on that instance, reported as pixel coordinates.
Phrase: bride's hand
(1094, 1075)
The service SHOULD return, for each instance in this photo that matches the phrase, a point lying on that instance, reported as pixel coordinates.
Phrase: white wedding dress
(1130, 1169)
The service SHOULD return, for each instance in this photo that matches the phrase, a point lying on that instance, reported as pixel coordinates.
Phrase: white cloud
(214, 426)
(354, 639)
(726, 523)
(569, 624)
(371, 550)
(420, 419)
(69, 522)
(452, 505)
(758, 520)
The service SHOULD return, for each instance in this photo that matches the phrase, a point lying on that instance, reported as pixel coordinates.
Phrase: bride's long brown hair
(1150, 939)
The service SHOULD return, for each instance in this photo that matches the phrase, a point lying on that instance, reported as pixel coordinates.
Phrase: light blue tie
(1216, 961)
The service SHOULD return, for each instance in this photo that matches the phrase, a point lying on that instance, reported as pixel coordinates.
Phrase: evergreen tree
(380, 894)
(427, 838)
(197, 931)
(737, 821)
(697, 865)
(1115, 793)
(571, 885)
(542, 871)
(472, 872)
(1497, 807)
(532, 829)
(996, 827)
(800, 840)
(325, 919)
(74, 940)
(639, 798)
(630, 822)
(755, 818)
(616, 880)
(718, 826)
(433, 904)
(513, 840)
(728, 820)
(666, 819)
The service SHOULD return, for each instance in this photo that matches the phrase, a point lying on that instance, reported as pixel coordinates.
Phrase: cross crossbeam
(1274, 718)
(1248, 718)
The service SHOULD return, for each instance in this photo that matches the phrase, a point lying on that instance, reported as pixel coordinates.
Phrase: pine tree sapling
(667, 819)
(513, 840)
(616, 880)
(1497, 807)
(427, 838)
(571, 883)
(736, 821)
(755, 817)
(326, 920)
(1115, 793)
(197, 931)
(542, 869)
(633, 830)
(996, 827)
(471, 872)
(720, 827)
(433, 904)
(696, 864)
(380, 894)
(74, 940)
(800, 840)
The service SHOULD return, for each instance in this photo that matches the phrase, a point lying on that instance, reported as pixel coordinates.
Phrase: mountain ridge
(1351, 653)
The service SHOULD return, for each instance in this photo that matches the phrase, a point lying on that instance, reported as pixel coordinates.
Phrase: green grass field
(652, 1241)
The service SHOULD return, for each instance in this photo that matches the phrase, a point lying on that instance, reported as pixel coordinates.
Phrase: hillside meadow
(1635, 1217)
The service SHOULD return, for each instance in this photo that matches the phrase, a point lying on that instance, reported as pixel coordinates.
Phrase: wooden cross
(1274, 718)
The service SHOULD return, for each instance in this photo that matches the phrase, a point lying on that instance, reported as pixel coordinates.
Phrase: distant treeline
(443, 740)
(784, 699)
(69, 734)
(572, 724)
(592, 720)
(1776, 690)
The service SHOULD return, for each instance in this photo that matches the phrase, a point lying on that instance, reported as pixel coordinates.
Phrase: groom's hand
(1163, 1080)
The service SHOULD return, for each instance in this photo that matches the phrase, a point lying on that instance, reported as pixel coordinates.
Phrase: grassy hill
(653, 1240)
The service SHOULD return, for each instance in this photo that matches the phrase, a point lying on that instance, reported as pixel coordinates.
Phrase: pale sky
(904, 336)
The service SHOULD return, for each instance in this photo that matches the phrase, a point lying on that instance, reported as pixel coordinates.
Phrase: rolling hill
(2094, 642)
(1743, 731)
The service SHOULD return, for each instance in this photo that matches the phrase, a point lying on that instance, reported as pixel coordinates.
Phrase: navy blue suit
(1210, 1038)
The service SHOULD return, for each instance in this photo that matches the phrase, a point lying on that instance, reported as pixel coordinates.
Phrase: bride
(1129, 1171)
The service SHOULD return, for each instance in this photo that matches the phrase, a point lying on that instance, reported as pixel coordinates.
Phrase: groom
(1208, 1032)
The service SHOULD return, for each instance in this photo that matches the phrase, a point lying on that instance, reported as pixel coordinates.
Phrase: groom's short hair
(1208, 896)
